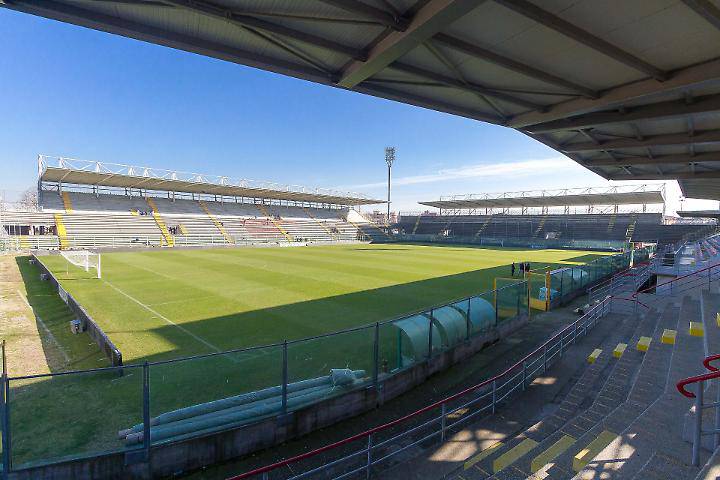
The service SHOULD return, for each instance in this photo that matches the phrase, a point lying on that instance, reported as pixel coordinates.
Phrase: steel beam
(707, 10)
(703, 138)
(467, 86)
(226, 14)
(429, 20)
(510, 64)
(667, 176)
(668, 109)
(411, 99)
(695, 76)
(553, 22)
(388, 19)
(655, 160)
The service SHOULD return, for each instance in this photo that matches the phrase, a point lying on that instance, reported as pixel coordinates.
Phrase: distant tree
(29, 199)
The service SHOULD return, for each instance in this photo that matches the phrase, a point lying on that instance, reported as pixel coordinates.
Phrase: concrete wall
(194, 453)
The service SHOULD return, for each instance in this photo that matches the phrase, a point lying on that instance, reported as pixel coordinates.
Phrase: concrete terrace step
(615, 392)
(600, 385)
(654, 431)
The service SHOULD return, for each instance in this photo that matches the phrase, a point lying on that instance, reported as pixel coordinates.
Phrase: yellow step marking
(551, 453)
(67, 202)
(322, 224)
(265, 212)
(218, 224)
(644, 343)
(61, 231)
(594, 355)
(668, 336)
(183, 230)
(509, 457)
(697, 329)
(596, 446)
(717, 319)
(168, 240)
(485, 453)
(619, 350)
(135, 212)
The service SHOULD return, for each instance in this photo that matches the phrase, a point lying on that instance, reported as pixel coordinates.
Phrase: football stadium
(161, 323)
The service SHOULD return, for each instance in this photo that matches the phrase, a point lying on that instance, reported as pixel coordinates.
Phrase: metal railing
(444, 415)
(700, 406)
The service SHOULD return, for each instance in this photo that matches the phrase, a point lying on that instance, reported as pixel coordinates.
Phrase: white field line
(158, 314)
(45, 328)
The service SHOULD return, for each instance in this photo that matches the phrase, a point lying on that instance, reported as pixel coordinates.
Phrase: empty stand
(87, 220)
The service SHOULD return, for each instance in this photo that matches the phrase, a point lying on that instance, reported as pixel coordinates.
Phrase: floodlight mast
(389, 159)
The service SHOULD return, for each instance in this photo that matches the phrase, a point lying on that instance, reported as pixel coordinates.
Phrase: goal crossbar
(84, 259)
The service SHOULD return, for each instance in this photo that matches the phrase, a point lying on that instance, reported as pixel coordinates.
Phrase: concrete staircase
(218, 224)
(540, 226)
(167, 238)
(61, 232)
(630, 230)
(417, 222)
(67, 203)
(265, 213)
(623, 419)
(611, 223)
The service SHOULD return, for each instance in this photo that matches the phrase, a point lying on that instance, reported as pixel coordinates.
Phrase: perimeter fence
(57, 416)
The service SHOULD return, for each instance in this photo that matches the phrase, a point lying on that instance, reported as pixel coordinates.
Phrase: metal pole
(5, 412)
(430, 336)
(716, 441)
(468, 325)
(494, 395)
(443, 410)
(376, 355)
(524, 375)
(368, 468)
(698, 425)
(284, 378)
(545, 358)
(146, 410)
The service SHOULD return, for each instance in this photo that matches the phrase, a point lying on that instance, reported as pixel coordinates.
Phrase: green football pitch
(164, 304)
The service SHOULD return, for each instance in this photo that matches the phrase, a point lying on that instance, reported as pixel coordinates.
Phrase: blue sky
(74, 92)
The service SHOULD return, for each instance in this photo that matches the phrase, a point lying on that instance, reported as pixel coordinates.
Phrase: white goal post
(84, 259)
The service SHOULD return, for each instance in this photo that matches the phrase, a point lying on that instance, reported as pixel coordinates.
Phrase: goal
(84, 259)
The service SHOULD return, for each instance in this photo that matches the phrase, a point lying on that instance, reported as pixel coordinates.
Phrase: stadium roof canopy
(635, 195)
(630, 90)
(83, 172)
(700, 214)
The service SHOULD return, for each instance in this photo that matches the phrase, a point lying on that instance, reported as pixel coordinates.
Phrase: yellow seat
(644, 344)
(619, 350)
(697, 329)
(594, 355)
(668, 336)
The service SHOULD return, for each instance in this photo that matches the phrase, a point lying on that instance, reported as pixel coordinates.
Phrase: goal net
(84, 259)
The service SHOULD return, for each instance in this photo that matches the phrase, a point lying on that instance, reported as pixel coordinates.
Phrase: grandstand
(87, 204)
(614, 214)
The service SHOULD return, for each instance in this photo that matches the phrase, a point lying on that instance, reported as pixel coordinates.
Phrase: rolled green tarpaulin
(219, 419)
(216, 405)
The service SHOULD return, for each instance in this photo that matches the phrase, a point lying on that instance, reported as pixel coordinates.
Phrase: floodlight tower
(389, 159)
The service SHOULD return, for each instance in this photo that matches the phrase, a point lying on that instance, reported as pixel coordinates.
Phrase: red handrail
(714, 373)
(711, 358)
(697, 378)
(392, 423)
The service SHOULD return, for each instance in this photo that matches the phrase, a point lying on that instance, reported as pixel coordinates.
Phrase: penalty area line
(158, 314)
